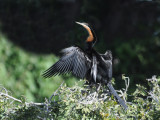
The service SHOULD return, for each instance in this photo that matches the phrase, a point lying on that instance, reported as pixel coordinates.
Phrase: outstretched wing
(74, 61)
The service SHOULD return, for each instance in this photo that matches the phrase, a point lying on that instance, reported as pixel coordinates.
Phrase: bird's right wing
(74, 61)
(107, 59)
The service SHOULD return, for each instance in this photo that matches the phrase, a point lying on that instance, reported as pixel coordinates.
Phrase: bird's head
(91, 39)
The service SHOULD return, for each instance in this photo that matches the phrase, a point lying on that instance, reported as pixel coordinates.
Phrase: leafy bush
(83, 103)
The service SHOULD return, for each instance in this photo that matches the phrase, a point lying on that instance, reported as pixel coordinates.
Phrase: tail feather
(114, 93)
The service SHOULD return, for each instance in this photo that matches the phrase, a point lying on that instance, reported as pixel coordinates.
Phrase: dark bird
(86, 63)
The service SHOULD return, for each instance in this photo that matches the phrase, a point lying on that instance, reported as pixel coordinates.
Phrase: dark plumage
(74, 61)
(89, 64)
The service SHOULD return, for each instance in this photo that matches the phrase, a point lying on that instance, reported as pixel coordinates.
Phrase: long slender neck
(89, 49)
(91, 39)
(89, 46)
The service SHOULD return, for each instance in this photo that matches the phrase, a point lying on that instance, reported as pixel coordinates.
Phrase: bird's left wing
(74, 61)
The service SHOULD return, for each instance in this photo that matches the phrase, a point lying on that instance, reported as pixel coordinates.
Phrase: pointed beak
(78, 23)
(85, 25)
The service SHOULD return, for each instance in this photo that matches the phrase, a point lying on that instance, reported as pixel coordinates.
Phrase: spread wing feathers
(74, 61)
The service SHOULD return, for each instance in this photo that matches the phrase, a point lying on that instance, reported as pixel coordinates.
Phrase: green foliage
(21, 72)
(86, 104)
(81, 103)
(148, 102)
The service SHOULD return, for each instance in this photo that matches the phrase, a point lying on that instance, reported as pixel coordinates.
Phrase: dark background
(129, 28)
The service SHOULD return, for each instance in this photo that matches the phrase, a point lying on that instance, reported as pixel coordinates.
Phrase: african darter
(86, 63)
